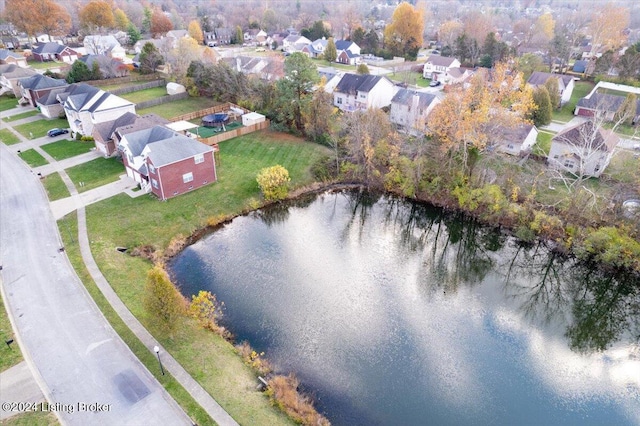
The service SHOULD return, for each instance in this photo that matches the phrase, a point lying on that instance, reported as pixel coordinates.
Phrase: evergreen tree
(541, 116)
(330, 52)
(554, 91)
(150, 59)
(79, 72)
(133, 33)
(294, 91)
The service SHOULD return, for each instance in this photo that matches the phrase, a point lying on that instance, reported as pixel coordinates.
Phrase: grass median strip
(55, 187)
(95, 173)
(38, 129)
(10, 355)
(66, 148)
(33, 158)
(21, 116)
(7, 103)
(8, 138)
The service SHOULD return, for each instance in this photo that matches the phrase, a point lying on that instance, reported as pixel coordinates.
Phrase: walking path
(18, 382)
(78, 202)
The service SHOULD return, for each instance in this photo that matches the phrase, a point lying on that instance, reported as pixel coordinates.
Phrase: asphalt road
(77, 357)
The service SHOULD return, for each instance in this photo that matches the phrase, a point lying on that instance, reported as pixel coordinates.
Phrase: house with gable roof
(565, 83)
(104, 45)
(52, 51)
(38, 86)
(347, 52)
(295, 43)
(10, 75)
(9, 57)
(437, 67)
(410, 109)
(316, 48)
(166, 162)
(361, 92)
(86, 106)
(107, 135)
(517, 140)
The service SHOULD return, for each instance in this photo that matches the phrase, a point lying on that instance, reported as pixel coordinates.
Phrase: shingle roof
(352, 83)
(441, 61)
(10, 71)
(405, 97)
(343, 44)
(51, 98)
(175, 148)
(6, 53)
(127, 123)
(514, 135)
(538, 78)
(601, 101)
(138, 140)
(48, 47)
(40, 82)
(583, 134)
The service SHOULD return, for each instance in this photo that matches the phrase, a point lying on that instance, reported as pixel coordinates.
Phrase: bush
(283, 391)
(610, 245)
(162, 299)
(274, 182)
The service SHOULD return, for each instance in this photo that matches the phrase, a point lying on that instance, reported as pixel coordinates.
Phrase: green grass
(409, 77)
(8, 138)
(22, 115)
(206, 132)
(33, 158)
(38, 65)
(55, 187)
(543, 143)
(624, 167)
(208, 358)
(32, 418)
(9, 356)
(66, 148)
(172, 109)
(581, 89)
(38, 129)
(344, 67)
(68, 227)
(145, 95)
(7, 103)
(95, 173)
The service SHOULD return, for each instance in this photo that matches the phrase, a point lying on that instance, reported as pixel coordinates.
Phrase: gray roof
(40, 82)
(539, 78)
(515, 134)
(582, 134)
(10, 71)
(601, 101)
(127, 123)
(48, 47)
(442, 61)
(176, 148)
(138, 140)
(353, 83)
(344, 44)
(405, 97)
(79, 94)
(52, 97)
(6, 53)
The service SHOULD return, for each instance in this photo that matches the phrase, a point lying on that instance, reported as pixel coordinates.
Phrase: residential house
(580, 66)
(10, 75)
(175, 35)
(107, 135)
(583, 149)
(518, 140)
(410, 108)
(361, 92)
(9, 57)
(49, 105)
(158, 43)
(436, 66)
(53, 51)
(167, 163)
(209, 38)
(87, 106)
(224, 35)
(269, 68)
(104, 45)
(456, 75)
(109, 67)
(38, 86)
(316, 48)
(295, 43)
(565, 83)
(256, 36)
(347, 52)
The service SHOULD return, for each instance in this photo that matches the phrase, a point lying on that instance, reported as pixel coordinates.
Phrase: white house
(87, 106)
(565, 84)
(104, 45)
(410, 108)
(347, 52)
(361, 92)
(438, 66)
(316, 48)
(294, 43)
(517, 140)
(583, 149)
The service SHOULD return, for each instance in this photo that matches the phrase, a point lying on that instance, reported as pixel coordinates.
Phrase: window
(152, 168)
(154, 183)
(363, 96)
(199, 158)
(339, 101)
(570, 164)
(187, 177)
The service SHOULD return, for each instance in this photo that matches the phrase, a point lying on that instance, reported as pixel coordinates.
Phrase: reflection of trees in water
(360, 205)
(278, 213)
(605, 310)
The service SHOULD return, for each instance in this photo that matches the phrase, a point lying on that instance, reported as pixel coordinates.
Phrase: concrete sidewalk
(17, 384)
(57, 166)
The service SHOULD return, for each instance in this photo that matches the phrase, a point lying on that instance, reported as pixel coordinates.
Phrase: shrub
(207, 311)
(274, 182)
(283, 391)
(610, 245)
(253, 359)
(162, 299)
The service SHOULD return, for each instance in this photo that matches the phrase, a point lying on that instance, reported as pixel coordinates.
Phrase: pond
(396, 313)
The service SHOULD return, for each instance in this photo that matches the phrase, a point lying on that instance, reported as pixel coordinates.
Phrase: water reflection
(401, 313)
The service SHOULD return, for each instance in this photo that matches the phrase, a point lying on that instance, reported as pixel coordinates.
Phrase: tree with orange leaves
(607, 27)
(97, 14)
(38, 16)
(160, 24)
(403, 37)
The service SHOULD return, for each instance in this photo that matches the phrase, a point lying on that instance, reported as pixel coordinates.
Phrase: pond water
(395, 313)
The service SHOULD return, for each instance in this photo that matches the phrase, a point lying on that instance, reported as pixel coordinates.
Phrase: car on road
(56, 132)
(434, 83)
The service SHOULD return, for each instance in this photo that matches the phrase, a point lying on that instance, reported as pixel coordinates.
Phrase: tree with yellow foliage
(162, 299)
(195, 31)
(607, 25)
(403, 37)
(97, 14)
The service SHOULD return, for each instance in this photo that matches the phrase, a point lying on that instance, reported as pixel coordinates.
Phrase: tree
(629, 63)
(133, 34)
(494, 50)
(146, 21)
(121, 21)
(206, 310)
(320, 116)
(544, 28)
(35, 16)
(627, 110)
(449, 31)
(195, 32)
(300, 74)
(79, 72)
(605, 62)
(607, 27)
(541, 115)
(179, 58)
(238, 36)
(274, 182)
(317, 30)
(160, 24)
(403, 36)
(330, 52)
(97, 14)
(358, 36)
(362, 68)
(162, 299)
(528, 63)
(150, 59)
(554, 91)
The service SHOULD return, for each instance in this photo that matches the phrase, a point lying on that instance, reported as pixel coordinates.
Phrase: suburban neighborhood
(129, 131)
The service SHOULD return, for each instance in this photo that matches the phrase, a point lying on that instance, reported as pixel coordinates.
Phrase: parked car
(260, 49)
(434, 83)
(56, 132)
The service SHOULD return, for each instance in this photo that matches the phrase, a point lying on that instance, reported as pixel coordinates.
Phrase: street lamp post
(156, 349)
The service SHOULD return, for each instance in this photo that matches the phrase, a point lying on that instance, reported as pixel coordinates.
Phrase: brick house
(347, 52)
(38, 86)
(167, 163)
(107, 135)
(52, 51)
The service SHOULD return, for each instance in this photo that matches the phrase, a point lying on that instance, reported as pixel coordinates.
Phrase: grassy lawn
(39, 65)
(7, 102)
(95, 173)
(323, 63)
(543, 143)
(409, 77)
(69, 230)
(208, 358)
(145, 95)
(565, 114)
(55, 187)
(38, 129)
(9, 356)
(32, 418)
(33, 158)
(8, 138)
(182, 106)
(66, 148)
(22, 115)
(624, 167)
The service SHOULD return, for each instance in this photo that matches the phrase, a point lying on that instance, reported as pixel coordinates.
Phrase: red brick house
(107, 135)
(167, 163)
(38, 87)
(52, 51)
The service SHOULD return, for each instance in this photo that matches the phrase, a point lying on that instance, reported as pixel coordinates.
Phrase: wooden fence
(216, 139)
(121, 80)
(138, 87)
(162, 100)
(212, 110)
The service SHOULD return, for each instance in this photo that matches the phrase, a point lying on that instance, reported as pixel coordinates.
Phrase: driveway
(74, 354)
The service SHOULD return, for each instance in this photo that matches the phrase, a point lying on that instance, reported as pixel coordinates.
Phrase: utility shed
(252, 118)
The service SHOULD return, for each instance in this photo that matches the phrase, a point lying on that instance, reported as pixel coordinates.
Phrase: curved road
(75, 355)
